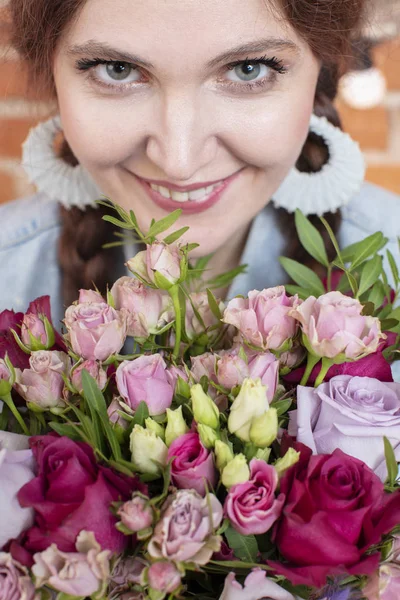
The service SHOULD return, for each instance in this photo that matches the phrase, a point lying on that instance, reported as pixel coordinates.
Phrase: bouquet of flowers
(166, 445)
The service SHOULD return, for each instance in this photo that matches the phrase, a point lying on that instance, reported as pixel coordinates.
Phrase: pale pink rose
(90, 296)
(173, 372)
(164, 577)
(33, 325)
(333, 325)
(144, 379)
(16, 469)
(136, 514)
(164, 259)
(94, 369)
(15, 581)
(147, 308)
(205, 365)
(252, 507)
(264, 318)
(193, 465)
(114, 413)
(4, 372)
(384, 583)
(43, 383)
(292, 358)
(96, 330)
(192, 324)
(185, 530)
(80, 573)
(350, 413)
(256, 585)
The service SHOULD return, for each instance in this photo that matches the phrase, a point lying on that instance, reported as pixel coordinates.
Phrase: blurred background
(369, 102)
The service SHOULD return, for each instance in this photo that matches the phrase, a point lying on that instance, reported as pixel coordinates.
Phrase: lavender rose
(334, 325)
(43, 383)
(96, 330)
(350, 413)
(193, 465)
(252, 507)
(256, 585)
(185, 530)
(16, 469)
(15, 582)
(144, 379)
(94, 369)
(264, 318)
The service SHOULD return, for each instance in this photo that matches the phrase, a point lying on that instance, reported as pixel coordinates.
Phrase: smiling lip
(190, 206)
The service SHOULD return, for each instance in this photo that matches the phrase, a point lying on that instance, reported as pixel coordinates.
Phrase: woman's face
(199, 105)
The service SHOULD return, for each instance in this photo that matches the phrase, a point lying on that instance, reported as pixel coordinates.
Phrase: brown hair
(328, 26)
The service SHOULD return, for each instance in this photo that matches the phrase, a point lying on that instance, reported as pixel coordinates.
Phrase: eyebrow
(106, 52)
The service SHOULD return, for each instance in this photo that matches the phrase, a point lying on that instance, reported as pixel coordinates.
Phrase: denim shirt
(30, 228)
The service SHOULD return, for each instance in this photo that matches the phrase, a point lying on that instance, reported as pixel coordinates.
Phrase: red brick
(7, 188)
(368, 127)
(387, 176)
(13, 132)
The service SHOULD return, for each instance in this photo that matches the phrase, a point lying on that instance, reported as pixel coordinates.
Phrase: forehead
(178, 30)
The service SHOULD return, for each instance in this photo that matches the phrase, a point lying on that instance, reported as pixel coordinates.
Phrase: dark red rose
(72, 492)
(335, 510)
(11, 320)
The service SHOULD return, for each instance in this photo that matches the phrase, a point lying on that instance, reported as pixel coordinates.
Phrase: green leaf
(213, 304)
(377, 294)
(389, 324)
(311, 239)
(225, 279)
(393, 267)
(302, 275)
(301, 292)
(65, 430)
(334, 241)
(370, 273)
(357, 253)
(244, 546)
(170, 239)
(141, 414)
(282, 406)
(117, 222)
(164, 224)
(391, 463)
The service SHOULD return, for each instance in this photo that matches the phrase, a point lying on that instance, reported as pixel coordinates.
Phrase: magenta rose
(144, 379)
(71, 493)
(252, 507)
(264, 318)
(333, 325)
(350, 413)
(335, 511)
(96, 330)
(193, 465)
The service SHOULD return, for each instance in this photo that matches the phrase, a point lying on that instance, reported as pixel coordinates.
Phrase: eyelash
(277, 67)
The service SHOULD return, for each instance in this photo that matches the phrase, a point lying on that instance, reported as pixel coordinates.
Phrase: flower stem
(329, 280)
(311, 362)
(174, 293)
(10, 403)
(326, 365)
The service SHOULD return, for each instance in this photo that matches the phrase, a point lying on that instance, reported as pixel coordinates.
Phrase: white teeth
(195, 195)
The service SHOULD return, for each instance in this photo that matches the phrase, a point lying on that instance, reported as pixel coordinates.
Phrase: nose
(182, 142)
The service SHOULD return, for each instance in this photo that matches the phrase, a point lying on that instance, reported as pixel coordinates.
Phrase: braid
(83, 261)
(313, 156)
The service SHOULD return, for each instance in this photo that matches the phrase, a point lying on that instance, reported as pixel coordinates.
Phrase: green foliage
(244, 546)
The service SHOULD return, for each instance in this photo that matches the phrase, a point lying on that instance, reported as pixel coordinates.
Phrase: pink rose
(127, 570)
(15, 581)
(92, 296)
(193, 465)
(173, 373)
(136, 514)
(94, 369)
(256, 585)
(4, 372)
(80, 573)
(37, 322)
(205, 365)
(333, 325)
(144, 379)
(252, 507)
(33, 327)
(264, 318)
(96, 330)
(164, 577)
(43, 383)
(165, 260)
(16, 469)
(115, 412)
(350, 413)
(71, 493)
(146, 307)
(384, 583)
(185, 530)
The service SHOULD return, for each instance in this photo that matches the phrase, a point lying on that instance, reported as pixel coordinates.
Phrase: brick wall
(377, 130)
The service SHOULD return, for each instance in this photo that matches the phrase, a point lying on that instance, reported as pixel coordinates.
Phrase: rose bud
(223, 454)
(114, 411)
(176, 425)
(96, 330)
(164, 577)
(15, 581)
(92, 296)
(144, 379)
(236, 471)
(208, 436)
(264, 429)
(136, 514)
(94, 369)
(251, 402)
(205, 411)
(164, 264)
(7, 378)
(43, 383)
(149, 453)
(158, 429)
(37, 332)
(147, 308)
(288, 460)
